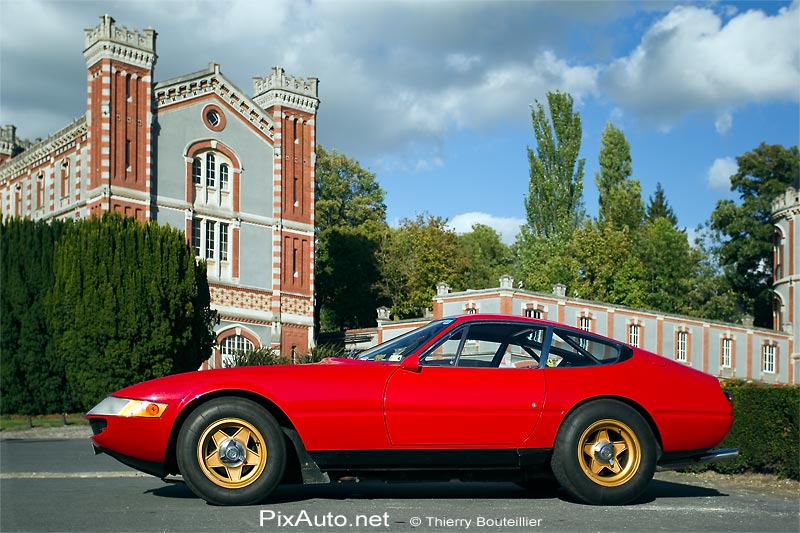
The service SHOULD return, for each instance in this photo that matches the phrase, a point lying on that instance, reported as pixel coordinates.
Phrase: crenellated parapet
(36, 153)
(787, 204)
(287, 91)
(107, 40)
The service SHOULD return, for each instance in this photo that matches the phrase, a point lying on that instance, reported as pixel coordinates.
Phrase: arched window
(233, 344)
(197, 171)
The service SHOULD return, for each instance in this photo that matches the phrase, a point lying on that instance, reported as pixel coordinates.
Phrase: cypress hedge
(93, 305)
(766, 430)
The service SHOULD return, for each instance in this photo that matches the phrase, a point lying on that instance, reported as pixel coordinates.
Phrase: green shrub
(261, 356)
(766, 430)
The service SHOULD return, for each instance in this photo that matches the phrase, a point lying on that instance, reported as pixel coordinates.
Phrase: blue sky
(434, 97)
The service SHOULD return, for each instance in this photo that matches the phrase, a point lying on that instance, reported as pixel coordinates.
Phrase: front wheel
(231, 451)
(605, 453)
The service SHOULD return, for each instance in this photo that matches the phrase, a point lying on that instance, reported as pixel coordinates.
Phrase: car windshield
(397, 348)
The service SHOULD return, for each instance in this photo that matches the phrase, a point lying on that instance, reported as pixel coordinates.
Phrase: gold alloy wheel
(609, 453)
(232, 453)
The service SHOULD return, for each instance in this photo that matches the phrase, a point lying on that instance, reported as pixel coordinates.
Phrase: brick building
(235, 171)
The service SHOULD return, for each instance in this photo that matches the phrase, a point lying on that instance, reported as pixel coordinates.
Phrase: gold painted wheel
(609, 453)
(231, 453)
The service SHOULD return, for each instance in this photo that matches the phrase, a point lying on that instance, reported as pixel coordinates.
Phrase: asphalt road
(59, 485)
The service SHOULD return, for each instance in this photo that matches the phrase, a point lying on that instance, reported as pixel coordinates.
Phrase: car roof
(492, 317)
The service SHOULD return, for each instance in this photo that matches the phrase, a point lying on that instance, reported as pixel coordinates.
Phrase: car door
(479, 386)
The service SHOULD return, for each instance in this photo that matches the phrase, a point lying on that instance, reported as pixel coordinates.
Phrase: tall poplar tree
(620, 196)
(554, 204)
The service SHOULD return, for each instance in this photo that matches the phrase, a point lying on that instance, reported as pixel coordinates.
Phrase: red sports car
(475, 397)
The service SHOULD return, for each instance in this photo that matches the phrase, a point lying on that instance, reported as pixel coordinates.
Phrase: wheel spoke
(252, 459)
(615, 467)
(242, 435)
(619, 447)
(213, 460)
(588, 449)
(218, 437)
(234, 473)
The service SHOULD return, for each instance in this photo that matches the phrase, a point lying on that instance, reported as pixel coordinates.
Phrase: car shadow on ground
(454, 490)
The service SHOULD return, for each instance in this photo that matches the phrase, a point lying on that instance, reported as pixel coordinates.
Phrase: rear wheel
(605, 453)
(231, 451)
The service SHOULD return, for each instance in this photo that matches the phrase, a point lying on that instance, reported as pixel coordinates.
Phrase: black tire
(605, 453)
(231, 451)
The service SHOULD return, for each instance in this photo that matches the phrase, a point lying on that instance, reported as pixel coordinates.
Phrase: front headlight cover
(113, 406)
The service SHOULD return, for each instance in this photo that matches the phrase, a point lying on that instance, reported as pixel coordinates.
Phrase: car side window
(444, 352)
(489, 345)
(568, 349)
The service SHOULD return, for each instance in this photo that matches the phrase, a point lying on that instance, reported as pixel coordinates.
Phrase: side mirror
(411, 363)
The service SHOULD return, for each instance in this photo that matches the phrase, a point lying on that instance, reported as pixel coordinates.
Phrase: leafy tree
(608, 271)
(744, 231)
(414, 258)
(620, 197)
(554, 203)
(487, 257)
(545, 263)
(671, 266)
(710, 295)
(350, 215)
(347, 195)
(129, 302)
(347, 277)
(658, 207)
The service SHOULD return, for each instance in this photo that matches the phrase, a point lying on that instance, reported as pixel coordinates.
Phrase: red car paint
(351, 405)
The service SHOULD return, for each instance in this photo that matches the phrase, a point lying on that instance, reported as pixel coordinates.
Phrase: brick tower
(119, 118)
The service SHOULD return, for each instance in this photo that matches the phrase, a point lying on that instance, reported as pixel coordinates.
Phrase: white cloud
(690, 61)
(724, 122)
(720, 172)
(507, 227)
(462, 63)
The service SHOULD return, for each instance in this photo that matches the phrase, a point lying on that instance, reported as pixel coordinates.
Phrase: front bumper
(148, 467)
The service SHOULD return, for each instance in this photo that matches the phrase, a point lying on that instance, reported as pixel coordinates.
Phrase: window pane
(223, 242)
(681, 346)
(569, 350)
(726, 352)
(210, 175)
(196, 236)
(196, 171)
(209, 239)
(223, 177)
(633, 335)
